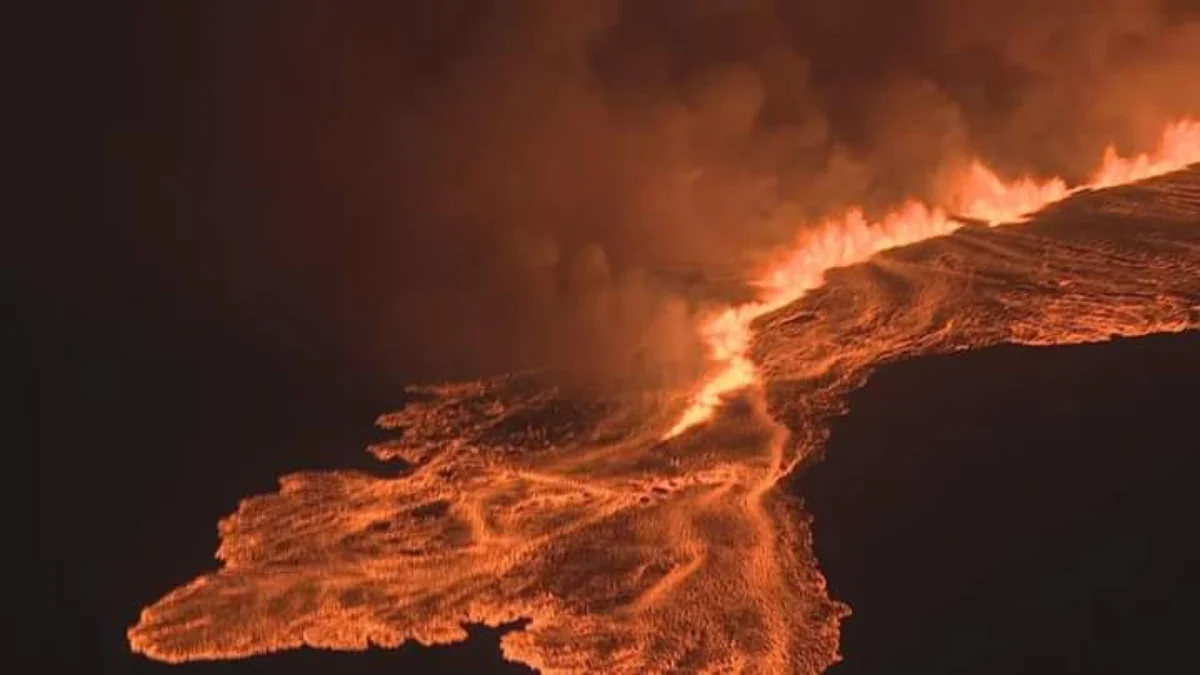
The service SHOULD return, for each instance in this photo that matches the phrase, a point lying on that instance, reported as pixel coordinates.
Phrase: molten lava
(628, 554)
(977, 194)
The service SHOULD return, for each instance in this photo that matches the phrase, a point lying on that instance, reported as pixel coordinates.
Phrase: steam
(548, 184)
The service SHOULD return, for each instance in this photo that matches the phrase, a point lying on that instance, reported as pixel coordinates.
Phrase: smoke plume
(457, 188)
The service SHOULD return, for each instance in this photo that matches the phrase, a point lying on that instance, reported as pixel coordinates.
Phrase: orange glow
(977, 194)
(1180, 147)
(520, 498)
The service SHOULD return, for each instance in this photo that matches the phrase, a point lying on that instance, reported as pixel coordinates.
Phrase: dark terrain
(1016, 509)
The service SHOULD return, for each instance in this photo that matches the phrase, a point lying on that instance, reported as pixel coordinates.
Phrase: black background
(1016, 509)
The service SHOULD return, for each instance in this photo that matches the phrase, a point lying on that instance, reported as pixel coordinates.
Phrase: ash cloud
(457, 188)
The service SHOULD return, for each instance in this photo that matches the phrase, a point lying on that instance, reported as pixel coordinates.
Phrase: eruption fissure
(631, 554)
(977, 194)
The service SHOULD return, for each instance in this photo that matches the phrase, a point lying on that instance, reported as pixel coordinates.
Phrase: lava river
(634, 550)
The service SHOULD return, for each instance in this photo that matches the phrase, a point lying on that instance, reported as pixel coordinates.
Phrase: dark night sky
(198, 240)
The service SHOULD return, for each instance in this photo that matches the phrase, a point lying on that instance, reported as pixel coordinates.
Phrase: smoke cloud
(458, 188)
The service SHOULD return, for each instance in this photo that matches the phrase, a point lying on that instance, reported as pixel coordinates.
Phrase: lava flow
(631, 547)
(977, 194)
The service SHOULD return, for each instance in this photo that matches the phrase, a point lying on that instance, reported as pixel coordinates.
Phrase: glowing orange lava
(522, 498)
(976, 194)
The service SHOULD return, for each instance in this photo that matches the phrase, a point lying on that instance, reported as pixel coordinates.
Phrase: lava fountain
(975, 194)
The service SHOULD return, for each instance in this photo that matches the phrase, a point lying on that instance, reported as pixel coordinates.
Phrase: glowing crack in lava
(629, 553)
